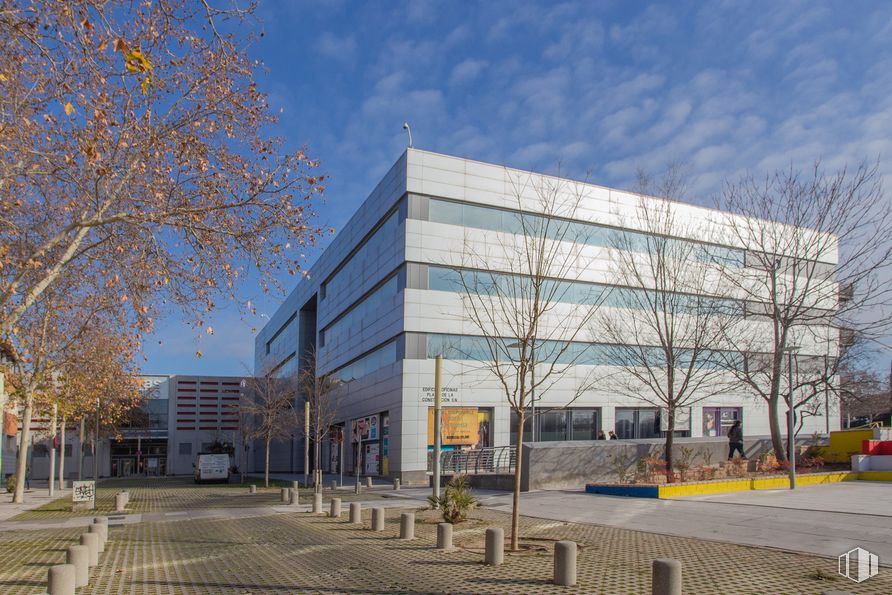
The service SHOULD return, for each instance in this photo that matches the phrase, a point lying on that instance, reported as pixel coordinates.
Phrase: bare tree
(320, 393)
(269, 401)
(523, 294)
(667, 316)
(815, 273)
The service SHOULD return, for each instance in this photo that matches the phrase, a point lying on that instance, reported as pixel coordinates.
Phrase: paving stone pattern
(305, 553)
(173, 494)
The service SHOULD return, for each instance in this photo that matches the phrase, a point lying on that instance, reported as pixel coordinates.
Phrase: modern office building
(181, 416)
(381, 302)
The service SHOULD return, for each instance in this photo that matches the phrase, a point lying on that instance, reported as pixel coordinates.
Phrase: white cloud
(466, 71)
(342, 48)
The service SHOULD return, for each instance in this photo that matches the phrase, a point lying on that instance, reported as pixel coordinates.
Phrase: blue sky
(599, 89)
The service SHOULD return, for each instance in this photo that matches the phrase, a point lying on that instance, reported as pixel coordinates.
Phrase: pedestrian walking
(735, 440)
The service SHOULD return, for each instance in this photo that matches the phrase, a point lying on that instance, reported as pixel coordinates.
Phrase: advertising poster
(459, 426)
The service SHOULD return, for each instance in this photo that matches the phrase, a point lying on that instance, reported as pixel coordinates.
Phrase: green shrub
(456, 500)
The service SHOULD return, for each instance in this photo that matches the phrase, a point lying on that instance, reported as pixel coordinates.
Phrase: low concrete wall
(571, 465)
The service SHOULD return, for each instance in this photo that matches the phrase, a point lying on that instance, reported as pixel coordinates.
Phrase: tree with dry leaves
(525, 297)
(321, 395)
(668, 314)
(268, 401)
(815, 275)
(134, 150)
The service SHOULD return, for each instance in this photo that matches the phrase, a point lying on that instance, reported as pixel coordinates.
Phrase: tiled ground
(304, 553)
(171, 494)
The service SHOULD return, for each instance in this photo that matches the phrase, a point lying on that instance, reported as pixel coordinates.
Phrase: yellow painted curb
(768, 483)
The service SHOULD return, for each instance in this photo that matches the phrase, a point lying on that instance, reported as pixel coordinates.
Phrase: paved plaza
(244, 543)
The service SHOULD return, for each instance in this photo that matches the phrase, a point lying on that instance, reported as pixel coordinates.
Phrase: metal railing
(498, 459)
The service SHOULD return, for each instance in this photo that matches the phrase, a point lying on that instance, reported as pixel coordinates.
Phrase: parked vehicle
(211, 467)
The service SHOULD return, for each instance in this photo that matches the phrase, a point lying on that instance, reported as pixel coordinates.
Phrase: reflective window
(368, 257)
(278, 344)
(362, 314)
(370, 362)
(632, 423)
(494, 219)
(570, 292)
(559, 425)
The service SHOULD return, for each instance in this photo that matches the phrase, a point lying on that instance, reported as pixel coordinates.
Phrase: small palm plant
(456, 500)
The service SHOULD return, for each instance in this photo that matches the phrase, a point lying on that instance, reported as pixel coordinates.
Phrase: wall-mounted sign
(448, 394)
(83, 495)
(458, 426)
(365, 428)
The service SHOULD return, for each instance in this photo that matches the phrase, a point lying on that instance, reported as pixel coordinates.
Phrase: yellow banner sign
(458, 426)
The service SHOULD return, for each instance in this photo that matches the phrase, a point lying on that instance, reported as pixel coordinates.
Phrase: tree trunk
(317, 479)
(777, 442)
(515, 498)
(22, 462)
(62, 454)
(670, 440)
(266, 466)
(80, 448)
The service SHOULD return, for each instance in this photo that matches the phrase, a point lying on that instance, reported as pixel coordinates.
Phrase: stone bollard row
(252, 489)
(357, 489)
(126, 497)
(565, 563)
(295, 485)
(334, 484)
(91, 540)
(97, 530)
(335, 511)
(407, 525)
(285, 495)
(377, 519)
(368, 482)
(396, 484)
(61, 580)
(444, 536)
(295, 497)
(120, 502)
(355, 513)
(666, 578)
(495, 546)
(317, 503)
(79, 557)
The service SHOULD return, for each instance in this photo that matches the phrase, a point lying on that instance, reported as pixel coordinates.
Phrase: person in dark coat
(735, 440)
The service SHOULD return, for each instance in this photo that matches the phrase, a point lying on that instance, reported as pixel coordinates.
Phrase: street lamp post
(791, 414)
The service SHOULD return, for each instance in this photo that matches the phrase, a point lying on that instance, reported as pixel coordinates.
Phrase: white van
(212, 467)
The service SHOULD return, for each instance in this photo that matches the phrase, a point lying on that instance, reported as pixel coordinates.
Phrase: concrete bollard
(103, 531)
(60, 580)
(565, 563)
(355, 513)
(377, 519)
(444, 536)
(396, 484)
(252, 489)
(97, 529)
(495, 546)
(334, 484)
(335, 511)
(79, 557)
(126, 495)
(368, 482)
(295, 485)
(317, 502)
(91, 540)
(357, 489)
(285, 494)
(666, 578)
(407, 525)
(295, 497)
(120, 504)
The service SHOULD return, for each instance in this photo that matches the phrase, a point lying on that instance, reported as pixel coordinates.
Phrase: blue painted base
(633, 491)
